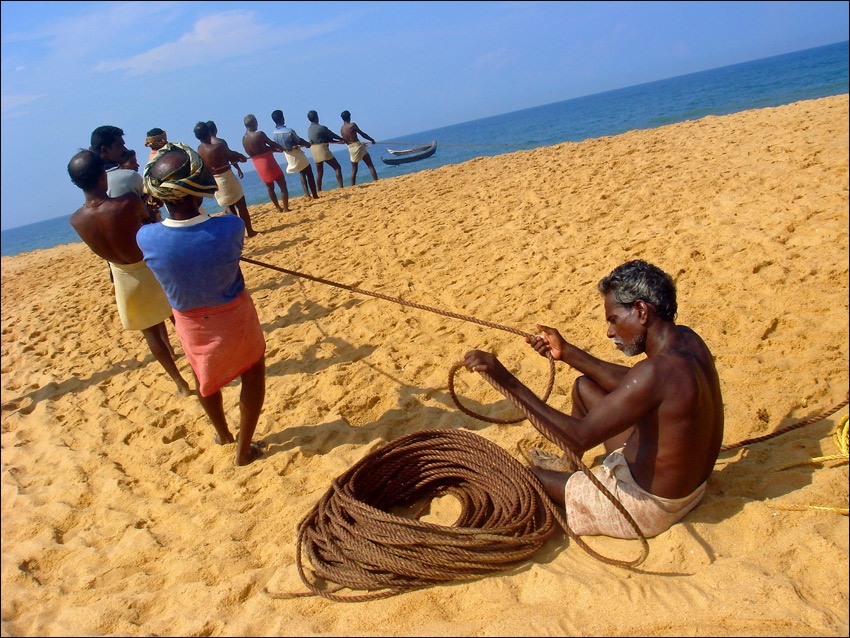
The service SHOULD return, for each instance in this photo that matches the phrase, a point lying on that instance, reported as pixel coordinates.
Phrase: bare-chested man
(356, 149)
(661, 421)
(108, 226)
(218, 158)
(215, 138)
(261, 150)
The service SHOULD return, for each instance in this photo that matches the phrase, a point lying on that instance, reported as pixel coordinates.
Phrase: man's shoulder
(225, 221)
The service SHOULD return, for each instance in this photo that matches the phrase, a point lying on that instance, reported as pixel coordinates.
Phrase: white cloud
(493, 59)
(214, 38)
(10, 102)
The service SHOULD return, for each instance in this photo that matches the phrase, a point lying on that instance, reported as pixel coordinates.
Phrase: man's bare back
(348, 132)
(216, 156)
(258, 143)
(672, 449)
(109, 227)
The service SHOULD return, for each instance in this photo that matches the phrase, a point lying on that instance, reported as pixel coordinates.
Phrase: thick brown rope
(576, 459)
(319, 518)
(327, 563)
(788, 428)
(354, 541)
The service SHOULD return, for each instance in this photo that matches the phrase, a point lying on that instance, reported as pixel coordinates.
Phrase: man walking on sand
(108, 226)
(661, 421)
(218, 158)
(261, 150)
(196, 259)
(320, 137)
(356, 149)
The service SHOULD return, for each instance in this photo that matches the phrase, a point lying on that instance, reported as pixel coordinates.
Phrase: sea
(783, 79)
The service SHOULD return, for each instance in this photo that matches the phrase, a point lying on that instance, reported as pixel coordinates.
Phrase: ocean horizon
(767, 82)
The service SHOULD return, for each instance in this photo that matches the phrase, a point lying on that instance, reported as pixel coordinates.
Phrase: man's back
(215, 156)
(256, 143)
(673, 448)
(110, 228)
(349, 132)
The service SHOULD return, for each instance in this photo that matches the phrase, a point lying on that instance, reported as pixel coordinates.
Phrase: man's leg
(337, 170)
(250, 405)
(353, 173)
(213, 405)
(160, 348)
(586, 393)
(304, 184)
(320, 171)
(242, 207)
(284, 192)
(371, 166)
(273, 196)
(311, 181)
(553, 482)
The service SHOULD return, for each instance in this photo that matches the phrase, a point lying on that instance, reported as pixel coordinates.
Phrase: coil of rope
(327, 551)
(394, 554)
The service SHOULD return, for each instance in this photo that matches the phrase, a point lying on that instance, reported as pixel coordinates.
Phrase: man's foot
(183, 390)
(549, 461)
(221, 441)
(257, 449)
(252, 232)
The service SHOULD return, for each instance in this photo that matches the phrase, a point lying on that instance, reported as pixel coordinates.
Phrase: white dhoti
(229, 189)
(141, 300)
(296, 160)
(356, 151)
(321, 153)
(589, 512)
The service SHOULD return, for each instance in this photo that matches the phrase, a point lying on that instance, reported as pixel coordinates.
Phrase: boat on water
(411, 155)
(408, 151)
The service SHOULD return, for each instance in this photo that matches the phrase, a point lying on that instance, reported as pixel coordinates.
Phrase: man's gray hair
(641, 280)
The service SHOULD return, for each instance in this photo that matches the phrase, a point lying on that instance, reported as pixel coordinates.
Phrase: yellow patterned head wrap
(150, 140)
(190, 178)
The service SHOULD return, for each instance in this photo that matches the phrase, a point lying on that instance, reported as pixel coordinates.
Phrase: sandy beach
(121, 516)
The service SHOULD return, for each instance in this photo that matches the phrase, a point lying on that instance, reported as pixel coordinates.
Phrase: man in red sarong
(261, 150)
(195, 257)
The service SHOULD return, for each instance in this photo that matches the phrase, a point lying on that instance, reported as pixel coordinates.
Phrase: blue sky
(399, 67)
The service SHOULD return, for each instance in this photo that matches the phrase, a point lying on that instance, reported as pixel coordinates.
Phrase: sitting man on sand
(108, 226)
(218, 157)
(196, 259)
(356, 149)
(296, 160)
(261, 150)
(661, 421)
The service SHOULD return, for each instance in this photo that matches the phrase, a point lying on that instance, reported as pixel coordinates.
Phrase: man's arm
(334, 137)
(613, 414)
(277, 148)
(366, 135)
(607, 375)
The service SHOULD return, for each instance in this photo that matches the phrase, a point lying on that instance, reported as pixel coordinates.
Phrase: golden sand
(121, 516)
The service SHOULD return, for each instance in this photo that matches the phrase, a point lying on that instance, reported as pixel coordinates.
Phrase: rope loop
(354, 540)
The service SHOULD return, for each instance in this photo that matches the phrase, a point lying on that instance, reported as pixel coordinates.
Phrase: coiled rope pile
(353, 540)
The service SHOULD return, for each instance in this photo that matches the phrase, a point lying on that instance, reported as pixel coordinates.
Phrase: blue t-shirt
(196, 261)
(285, 136)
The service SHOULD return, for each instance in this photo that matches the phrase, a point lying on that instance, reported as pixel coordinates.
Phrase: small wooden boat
(413, 156)
(408, 151)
